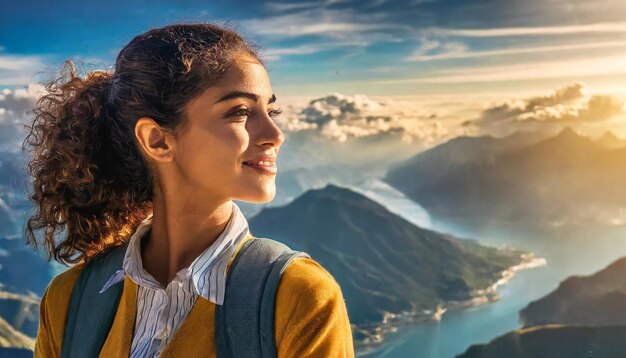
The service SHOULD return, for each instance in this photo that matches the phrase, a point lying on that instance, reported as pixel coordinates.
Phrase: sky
(371, 47)
(427, 69)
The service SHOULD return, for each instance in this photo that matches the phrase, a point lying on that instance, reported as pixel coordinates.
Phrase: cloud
(345, 25)
(568, 104)
(332, 30)
(342, 118)
(328, 23)
(273, 54)
(563, 95)
(454, 50)
(359, 130)
(563, 68)
(19, 70)
(435, 49)
(285, 6)
(611, 28)
(600, 107)
(281, 7)
(15, 107)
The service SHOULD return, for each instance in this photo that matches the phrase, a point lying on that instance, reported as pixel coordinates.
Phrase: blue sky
(405, 75)
(375, 47)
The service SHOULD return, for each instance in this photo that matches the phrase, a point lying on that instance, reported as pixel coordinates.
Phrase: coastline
(373, 334)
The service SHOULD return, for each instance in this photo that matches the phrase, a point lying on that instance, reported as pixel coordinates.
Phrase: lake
(568, 251)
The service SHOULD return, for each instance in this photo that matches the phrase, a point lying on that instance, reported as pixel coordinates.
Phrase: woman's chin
(263, 195)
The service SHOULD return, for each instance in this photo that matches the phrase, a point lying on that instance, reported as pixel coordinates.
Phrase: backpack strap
(244, 324)
(90, 313)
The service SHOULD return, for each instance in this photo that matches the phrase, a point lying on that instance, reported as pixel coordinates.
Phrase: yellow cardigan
(310, 317)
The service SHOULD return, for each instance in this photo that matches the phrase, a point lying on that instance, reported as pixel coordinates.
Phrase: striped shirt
(160, 311)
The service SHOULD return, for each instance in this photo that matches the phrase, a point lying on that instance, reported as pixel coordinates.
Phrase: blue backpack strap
(90, 313)
(244, 324)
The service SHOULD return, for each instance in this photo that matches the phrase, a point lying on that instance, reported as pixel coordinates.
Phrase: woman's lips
(266, 169)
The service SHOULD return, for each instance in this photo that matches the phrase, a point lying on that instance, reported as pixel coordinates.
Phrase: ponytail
(75, 164)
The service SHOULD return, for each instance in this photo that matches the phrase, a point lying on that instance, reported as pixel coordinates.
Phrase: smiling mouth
(269, 168)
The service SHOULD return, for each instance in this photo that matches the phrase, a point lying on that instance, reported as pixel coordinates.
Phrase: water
(568, 252)
(394, 200)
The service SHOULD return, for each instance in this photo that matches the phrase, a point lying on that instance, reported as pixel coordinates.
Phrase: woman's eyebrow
(238, 94)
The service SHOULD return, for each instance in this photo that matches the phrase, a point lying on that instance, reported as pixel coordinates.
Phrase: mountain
(442, 160)
(24, 277)
(22, 271)
(292, 183)
(384, 263)
(554, 341)
(585, 316)
(598, 299)
(610, 140)
(567, 178)
(12, 338)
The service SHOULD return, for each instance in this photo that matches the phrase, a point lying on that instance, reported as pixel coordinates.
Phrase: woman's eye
(275, 112)
(242, 112)
(245, 112)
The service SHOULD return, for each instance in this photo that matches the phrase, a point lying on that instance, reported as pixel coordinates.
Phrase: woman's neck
(179, 234)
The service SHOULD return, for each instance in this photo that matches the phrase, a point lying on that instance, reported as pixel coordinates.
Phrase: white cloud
(273, 54)
(615, 27)
(15, 107)
(362, 130)
(330, 23)
(435, 49)
(461, 51)
(280, 7)
(303, 23)
(342, 118)
(286, 6)
(588, 67)
(19, 70)
(276, 53)
(569, 104)
(333, 29)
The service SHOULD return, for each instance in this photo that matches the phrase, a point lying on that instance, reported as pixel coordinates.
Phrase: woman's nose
(269, 132)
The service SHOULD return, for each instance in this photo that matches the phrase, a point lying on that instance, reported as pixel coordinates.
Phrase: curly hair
(90, 178)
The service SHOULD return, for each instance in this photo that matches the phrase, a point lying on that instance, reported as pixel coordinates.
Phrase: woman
(151, 157)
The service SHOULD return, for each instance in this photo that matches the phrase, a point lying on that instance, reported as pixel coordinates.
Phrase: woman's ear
(156, 143)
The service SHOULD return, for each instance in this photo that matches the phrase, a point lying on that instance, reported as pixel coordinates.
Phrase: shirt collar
(207, 271)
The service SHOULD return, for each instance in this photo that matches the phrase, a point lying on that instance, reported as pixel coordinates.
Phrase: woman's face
(229, 124)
